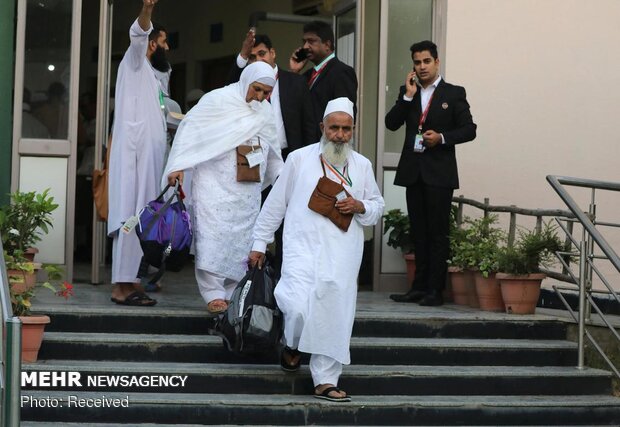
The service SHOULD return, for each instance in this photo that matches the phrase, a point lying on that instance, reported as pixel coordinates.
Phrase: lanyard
(344, 178)
(161, 100)
(423, 116)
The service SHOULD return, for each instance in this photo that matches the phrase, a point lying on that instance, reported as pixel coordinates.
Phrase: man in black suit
(437, 117)
(329, 78)
(290, 99)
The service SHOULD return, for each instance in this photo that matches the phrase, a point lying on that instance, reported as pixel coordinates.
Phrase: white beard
(334, 152)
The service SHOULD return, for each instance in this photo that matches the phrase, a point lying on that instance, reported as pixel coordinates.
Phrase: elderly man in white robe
(226, 208)
(138, 148)
(318, 288)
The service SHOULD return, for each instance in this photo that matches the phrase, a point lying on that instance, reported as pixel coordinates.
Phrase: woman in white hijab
(224, 209)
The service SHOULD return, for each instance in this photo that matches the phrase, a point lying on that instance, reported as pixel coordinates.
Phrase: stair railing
(591, 237)
(10, 354)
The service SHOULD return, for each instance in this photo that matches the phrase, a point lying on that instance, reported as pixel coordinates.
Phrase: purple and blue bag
(165, 234)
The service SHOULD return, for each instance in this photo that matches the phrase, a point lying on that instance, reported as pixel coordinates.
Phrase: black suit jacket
(449, 115)
(296, 107)
(337, 79)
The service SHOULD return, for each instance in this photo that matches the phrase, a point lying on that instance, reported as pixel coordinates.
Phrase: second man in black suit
(437, 117)
(330, 78)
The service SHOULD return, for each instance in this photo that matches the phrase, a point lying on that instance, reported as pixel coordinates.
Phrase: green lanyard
(161, 100)
(344, 176)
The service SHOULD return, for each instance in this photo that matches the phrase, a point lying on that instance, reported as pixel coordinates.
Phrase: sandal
(217, 306)
(137, 299)
(325, 395)
(152, 287)
(291, 353)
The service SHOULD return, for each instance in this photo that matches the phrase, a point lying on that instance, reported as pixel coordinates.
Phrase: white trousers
(126, 257)
(324, 369)
(214, 286)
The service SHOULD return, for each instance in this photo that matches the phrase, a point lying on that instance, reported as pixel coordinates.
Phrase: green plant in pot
(398, 230)
(461, 281)
(33, 326)
(25, 219)
(519, 267)
(482, 255)
(20, 271)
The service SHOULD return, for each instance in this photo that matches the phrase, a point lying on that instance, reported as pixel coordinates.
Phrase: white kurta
(318, 288)
(225, 212)
(138, 135)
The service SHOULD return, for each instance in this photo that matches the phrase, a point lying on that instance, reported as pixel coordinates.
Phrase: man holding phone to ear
(437, 117)
(330, 78)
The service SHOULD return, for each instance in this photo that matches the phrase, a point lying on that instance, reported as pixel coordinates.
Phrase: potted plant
(33, 326)
(485, 242)
(25, 219)
(20, 272)
(460, 280)
(397, 228)
(519, 267)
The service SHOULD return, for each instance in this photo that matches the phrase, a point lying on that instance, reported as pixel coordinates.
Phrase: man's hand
(410, 88)
(431, 138)
(256, 258)
(248, 44)
(144, 19)
(350, 206)
(295, 66)
(174, 176)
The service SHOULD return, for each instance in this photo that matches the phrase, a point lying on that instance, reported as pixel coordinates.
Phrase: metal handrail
(11, 362)
(590, 236)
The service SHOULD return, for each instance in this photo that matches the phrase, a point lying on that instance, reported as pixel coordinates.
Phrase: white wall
(541, 78)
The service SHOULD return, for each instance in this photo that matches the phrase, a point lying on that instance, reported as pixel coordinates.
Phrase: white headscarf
(223, 120)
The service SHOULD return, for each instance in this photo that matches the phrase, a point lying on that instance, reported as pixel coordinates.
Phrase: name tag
(255, 157)
(130, 224)
(418, 146)
(340, 196)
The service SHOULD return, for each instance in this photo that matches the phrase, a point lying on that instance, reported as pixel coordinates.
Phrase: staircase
(412, 365)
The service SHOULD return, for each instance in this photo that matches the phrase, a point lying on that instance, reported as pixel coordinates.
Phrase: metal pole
(590, 253)
(12, 393)
(582, 303)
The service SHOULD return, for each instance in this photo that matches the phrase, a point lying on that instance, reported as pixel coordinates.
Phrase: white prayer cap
(194, 95)
(257, 72)
(342, 104)
(173, 113)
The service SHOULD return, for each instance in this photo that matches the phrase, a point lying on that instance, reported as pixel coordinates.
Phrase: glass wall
(47, 69)
(409, 22)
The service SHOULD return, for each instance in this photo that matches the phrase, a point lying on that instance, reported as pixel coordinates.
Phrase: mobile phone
(414, 80)
(301, 55)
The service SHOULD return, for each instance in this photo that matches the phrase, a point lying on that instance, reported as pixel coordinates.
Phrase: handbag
(165, 234)
(100, 186)
(323, 201)
(244, 172)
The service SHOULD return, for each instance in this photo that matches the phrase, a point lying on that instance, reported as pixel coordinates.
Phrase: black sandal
(136, 299)
(291, 353)
(325, 395)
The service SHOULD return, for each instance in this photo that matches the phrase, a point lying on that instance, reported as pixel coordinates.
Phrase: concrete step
(356, 379)
(364, 350)
(304, 410)
(405, 325)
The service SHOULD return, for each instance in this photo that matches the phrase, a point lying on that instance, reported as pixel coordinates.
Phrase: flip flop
(137, 299)
(217, 306)
(325, 395)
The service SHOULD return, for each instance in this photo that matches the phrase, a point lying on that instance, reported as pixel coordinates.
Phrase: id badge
(341, 196)
(130, 224)
(418, 146)
(255, 157)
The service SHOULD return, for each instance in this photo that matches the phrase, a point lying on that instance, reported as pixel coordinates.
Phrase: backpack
(165, 234)
(253, 323)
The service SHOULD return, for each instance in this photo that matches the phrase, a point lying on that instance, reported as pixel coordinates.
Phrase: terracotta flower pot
(32, 336)
(410, 260)
(470, 282)
(21, 281)
(489, 292)
(459, 287)
(520, 292)
(30, 253)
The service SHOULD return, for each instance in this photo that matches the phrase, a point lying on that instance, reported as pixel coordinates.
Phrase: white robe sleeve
(274, 208)
(372, 199)
(139, 40)
(274, 167)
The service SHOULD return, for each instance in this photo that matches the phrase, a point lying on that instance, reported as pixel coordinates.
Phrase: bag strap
(166, 205)
(322, 165)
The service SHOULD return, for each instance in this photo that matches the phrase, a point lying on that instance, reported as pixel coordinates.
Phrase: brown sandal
(217, 306)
